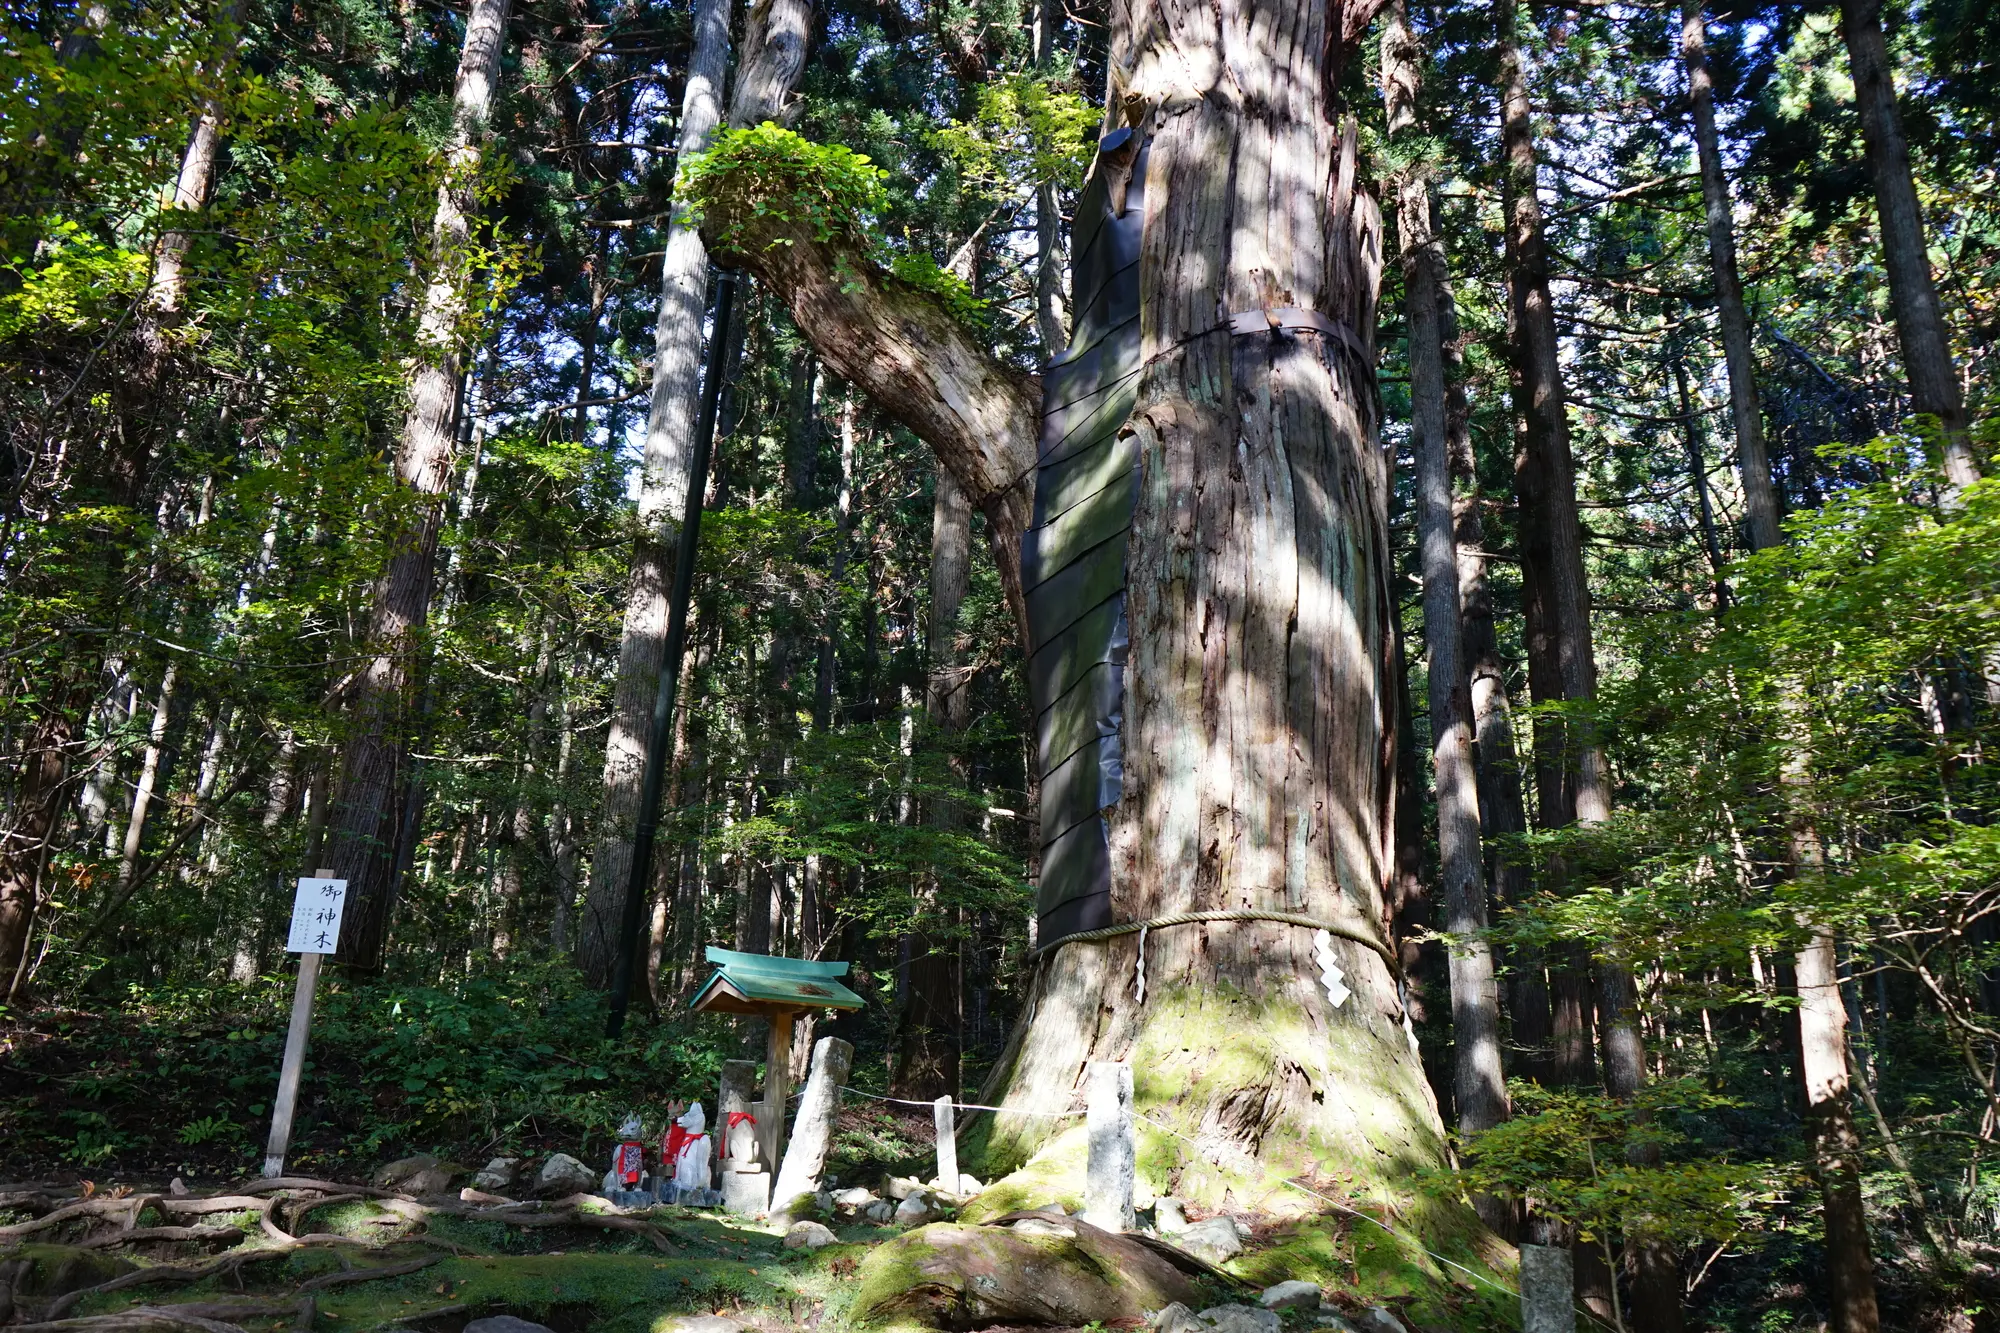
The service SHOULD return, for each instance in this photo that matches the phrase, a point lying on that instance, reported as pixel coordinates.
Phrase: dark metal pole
(658, 750)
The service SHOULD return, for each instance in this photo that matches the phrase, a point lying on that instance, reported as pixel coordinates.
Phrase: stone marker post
(1113, 1165)
(945, 1117)
(1547, 1287)
(812, 1130)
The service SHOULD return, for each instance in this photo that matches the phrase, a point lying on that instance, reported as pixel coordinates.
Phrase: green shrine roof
(755, 983)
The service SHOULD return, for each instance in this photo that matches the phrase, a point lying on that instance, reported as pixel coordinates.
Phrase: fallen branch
(277, 1183)
(202, 1205)
(366, 1274)
(567, 1216)
(123, 1236)
(139, 1319)
(159, 1273)
(101, 1206)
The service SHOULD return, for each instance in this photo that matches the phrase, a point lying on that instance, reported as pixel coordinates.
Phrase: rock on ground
(808, 1236)
(563, 1174)
(879, 1211)
(1240, 1319)
(421, 1174)
(1379, 1320)
(946, 1275)
(853, 1200)
(506, 1323)
(902, 1187)
(915, 1211)
(1177, 1318)
(1217, 1240)
(1290, 1296)
(496, 1175)
(1168, 1219)
(702, 1323)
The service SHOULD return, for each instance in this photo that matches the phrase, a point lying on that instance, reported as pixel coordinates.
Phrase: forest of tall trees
(1422, 575)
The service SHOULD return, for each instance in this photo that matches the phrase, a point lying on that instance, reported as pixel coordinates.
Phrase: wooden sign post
(315, 933)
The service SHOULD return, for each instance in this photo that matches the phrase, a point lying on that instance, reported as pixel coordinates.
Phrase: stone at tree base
(506, 1323)
(1111, 1169)
(854, 1199)
(1241, 1319)
(1292, 1295)
(1547, 1276)
(1168, 1219)
(915, 1210)
(969, 1184)
(562, 1174)
(902, 1187)
(808, 1236)
(1177, 1318)
(879, 1211)
(1217, 1240)
(497, 1174)
(421, 1174)
(948, 1275)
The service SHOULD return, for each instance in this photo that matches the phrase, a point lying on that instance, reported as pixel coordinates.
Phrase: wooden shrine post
(777, 990)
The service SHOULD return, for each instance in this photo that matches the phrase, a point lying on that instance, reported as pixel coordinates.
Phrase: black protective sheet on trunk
(1073, 557)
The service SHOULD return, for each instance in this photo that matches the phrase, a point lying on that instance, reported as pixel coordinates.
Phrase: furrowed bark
(1920, 326)
(1479, 1086)
(642, 645)
(382, 708)
(1746, 413)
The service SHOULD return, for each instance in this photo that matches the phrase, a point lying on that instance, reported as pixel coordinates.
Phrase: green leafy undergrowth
(181, 1080)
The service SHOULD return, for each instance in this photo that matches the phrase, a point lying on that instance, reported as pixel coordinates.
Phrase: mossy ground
(570, 1280)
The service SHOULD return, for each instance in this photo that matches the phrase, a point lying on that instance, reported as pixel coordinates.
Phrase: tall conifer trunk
(1479, 1087)
(642, 645)
(382, 704)
(1920, 326)
(1760, 506)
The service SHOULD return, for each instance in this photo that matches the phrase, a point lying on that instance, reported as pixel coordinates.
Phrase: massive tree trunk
(642, 646)
(382, 700)
(1479, 1090)
(1258, 714)
(1760, 506)
(1920, 326)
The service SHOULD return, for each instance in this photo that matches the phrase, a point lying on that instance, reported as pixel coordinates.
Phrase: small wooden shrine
(777, 989)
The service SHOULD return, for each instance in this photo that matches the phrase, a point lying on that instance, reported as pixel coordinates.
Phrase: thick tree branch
(913, 360)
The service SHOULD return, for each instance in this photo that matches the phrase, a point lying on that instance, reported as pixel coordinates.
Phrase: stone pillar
(1548, 1283)
(944, 1116)
(1113, 1164)
(812, 1130)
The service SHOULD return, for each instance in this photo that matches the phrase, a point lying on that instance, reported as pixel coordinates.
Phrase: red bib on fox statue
(628, 1159)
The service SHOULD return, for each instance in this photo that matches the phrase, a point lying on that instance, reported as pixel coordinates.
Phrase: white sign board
(316, 916)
